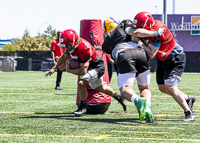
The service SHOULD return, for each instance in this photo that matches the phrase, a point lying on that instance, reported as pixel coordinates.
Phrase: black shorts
(98, 65)
(133, 60)
(173, 67)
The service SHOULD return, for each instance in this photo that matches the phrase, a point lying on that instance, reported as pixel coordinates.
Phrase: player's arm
(61, 60)
(151, 49)
(53, 56)
(80, 71)
(140, 32)
(53, 52)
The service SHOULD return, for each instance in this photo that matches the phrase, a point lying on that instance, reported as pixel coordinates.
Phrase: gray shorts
(92, 77)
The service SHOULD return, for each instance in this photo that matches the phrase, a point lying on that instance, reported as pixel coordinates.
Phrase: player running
(91, 68)
(132, 62)
(171, 58)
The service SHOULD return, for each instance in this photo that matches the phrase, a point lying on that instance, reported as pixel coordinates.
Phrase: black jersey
(117, 36)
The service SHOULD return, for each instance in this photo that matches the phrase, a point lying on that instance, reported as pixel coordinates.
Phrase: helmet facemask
(69, 47)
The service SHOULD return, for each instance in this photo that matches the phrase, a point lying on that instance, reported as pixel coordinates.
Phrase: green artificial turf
(31, 110)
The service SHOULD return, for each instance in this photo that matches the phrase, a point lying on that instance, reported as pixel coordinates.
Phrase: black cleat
(122, 102)
(120, 99)
(58, 88)
(80, 111)
(190, 101)
(189, 116)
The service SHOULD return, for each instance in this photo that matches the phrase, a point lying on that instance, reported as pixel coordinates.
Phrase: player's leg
(83, 95)
(143, 80)
(162, 88)
(125, 83)
(179, 97)
(100, 87)
(189, 98)
(173, 70)
(58, 79)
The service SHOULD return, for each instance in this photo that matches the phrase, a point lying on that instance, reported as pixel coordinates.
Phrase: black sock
(116, 96)
(82, 105)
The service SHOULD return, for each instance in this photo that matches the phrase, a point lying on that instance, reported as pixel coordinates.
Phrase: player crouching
(91, 68)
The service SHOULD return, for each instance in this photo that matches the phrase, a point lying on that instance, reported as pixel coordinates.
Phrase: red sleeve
(53, 46)
(108, 57)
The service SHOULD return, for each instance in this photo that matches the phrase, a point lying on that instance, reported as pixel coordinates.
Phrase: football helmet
(143, 20)
(69, 37)
(59, 31)
(109, 24)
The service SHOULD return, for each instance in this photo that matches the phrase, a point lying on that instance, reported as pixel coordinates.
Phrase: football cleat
(190, 101)
(140, 104)
(148, 114)
(189, 116)
(80, 111)
(58, 88)
(121, 100)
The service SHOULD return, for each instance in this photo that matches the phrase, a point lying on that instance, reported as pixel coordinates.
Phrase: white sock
(148, 103)
(133, 97)
(186, 96)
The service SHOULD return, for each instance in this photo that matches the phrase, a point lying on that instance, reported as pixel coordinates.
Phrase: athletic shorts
(133, 60)
(92, 77)
(128, 78)
(173, 67)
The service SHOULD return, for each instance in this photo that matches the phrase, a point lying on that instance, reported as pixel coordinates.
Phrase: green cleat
(149, 115)
(140, 104)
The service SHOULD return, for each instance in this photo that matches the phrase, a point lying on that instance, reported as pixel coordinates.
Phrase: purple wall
(190, 43)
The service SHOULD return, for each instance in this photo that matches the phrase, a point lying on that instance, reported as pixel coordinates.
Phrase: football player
(57, 51)
(171, 58)
(132, 62)
(91, 68)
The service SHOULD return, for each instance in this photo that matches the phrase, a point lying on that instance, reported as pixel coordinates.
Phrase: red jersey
(84, 52)
(58, 51)
(167, 42)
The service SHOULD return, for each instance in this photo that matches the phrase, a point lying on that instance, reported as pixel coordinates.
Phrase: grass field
(32, 111)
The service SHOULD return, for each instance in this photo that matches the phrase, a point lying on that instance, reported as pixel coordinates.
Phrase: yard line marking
(40, 135)
(159, 122)
(18, 112)
(154, 127)
(141, 132)
(135, 138)
(182, 110)
(172, 119)
(100, 137)
(36, 101)
(39, 88)
(120, 114)
(44, 79)
(30, 113)
(178, 123)
(29, 93)
(179, 113)
(163, 103)
(161, 115)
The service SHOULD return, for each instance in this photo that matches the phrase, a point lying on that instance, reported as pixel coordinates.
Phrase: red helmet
(143, 19)
(69, 37)
(59, 31)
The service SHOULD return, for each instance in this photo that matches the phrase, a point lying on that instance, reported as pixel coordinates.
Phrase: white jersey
(122, 47)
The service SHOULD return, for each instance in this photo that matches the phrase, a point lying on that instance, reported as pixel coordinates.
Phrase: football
(73, 63)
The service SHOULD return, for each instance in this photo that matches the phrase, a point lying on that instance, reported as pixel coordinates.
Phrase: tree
(29, 43)
(9, 47)
(50, 32)
(26, 33)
